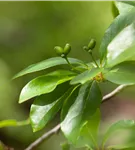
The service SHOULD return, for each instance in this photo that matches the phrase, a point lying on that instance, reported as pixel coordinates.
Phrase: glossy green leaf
(118, 43)
(89, 131)
(85, 76)
(85, 105)
(124, 6)
(51, 62)
(68, 102)
(45, 84)
(130, 2)
(73, 120)
(93, 100)
(123, 73)
(44, 109)
(122, 124)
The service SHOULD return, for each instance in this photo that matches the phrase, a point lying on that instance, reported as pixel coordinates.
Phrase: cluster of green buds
(90, 46)
(63, 52)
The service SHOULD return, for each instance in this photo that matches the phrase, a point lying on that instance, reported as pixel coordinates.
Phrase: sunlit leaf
(45, 84)
(73, 120)
(130, 2)
(124, 6)
(85, 76)
(122, 124)
(123, 73)
(51, 62)
(44, 109)
(118, 43)
(85, 105)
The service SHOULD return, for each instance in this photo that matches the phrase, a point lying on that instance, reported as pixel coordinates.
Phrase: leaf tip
(21, 98)
(16, 76)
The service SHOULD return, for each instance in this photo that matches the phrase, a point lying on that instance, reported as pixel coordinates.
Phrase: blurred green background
(28, 33)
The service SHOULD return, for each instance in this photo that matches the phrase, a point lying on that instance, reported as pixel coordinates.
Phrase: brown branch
(43, 137)
(114, 92)
(57, 128)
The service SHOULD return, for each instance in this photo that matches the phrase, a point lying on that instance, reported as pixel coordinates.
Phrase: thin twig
(114, 92)
(43, 137)
(57, 128)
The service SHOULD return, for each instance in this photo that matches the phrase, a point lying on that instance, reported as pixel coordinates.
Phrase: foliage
(80, 102)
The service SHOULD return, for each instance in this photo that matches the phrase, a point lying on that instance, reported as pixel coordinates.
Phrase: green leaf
(73, 120)
(122, 124)
(6, 123)
(115, 11)
(89, 131)
(85, 105)
(12, 122)
(86, 76)
(65, 146)
(93, 100)
(124, 147)
(51, 62)
(68, 102)
(44, 109)
(130, 2)
(123, 73)
(45, 84)
(119, 40)
(124, 6)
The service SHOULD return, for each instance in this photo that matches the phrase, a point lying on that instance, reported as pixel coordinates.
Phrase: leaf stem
(23, 123)
(94, 59)
(95, 143)
(73, 68)
(68, 62)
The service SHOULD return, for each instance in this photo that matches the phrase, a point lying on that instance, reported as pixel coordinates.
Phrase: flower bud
(59, 50)
(85, 48)
(90, 51)
(67, 49)
(92, 44)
